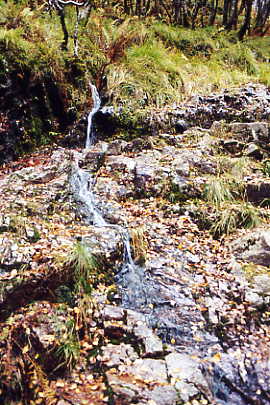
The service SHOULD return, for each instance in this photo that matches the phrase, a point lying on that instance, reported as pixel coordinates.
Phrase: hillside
(134, 270)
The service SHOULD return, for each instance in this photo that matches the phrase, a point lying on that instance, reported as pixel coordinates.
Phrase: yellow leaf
(216, 358)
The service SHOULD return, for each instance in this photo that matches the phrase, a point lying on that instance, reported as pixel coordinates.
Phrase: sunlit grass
(146, 63)
(217, 191)
(85, 266)
(231, 217)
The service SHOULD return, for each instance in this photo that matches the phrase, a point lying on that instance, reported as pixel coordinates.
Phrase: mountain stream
(167, 302)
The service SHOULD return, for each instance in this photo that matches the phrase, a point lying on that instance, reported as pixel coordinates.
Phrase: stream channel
(168, 305)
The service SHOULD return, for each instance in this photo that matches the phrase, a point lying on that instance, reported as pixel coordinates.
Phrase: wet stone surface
(188, 323)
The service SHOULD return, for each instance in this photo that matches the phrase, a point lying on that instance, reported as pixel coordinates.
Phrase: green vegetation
(252, 270)
(68, 350)
(179, 62)
(217, 191)
(266, 167)
(86, 268)
(231, 217)
(227, 209)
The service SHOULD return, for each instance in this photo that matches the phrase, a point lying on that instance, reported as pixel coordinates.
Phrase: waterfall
(132, 281)
(127, 248)
(95, 108)
(81, 185)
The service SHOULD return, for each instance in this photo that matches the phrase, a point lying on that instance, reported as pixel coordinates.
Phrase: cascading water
(137, 287)
(82, 187)
(96, 106)
(81, 181)
(81, 184)
(133, 282)
(164, 299)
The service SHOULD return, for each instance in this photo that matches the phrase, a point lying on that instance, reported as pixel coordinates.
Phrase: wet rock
(149, 174)
(250, 131)
(116, 355)
(181, 126)
(106, 244)
(239, 105)
(113, 313)
(139, 382)
(152, 344)
(94, 157)
(107, 188)
(250, 138)
(253, 247)
(162, 395)
(166, 172)
(187, 376)
(121, 163)
(5, 223)
(243, 377)
(214, 306)
(233, 146)
(58, 164)
(13, 256)
(254, 298)
(126, 390)
(134, 318)
(116, 147)
(261, 284)
(139, 144)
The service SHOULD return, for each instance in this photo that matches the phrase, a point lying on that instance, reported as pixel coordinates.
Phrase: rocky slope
(188, 321)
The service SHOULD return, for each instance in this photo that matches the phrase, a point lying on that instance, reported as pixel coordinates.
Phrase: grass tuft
(68, 350)
(217, 191)
(86, 267)
(233, 216)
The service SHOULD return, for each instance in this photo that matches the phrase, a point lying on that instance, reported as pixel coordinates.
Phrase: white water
(82, 186)
(81, 183)
(96, 107)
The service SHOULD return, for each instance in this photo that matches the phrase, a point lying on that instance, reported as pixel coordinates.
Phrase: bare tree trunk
(164, 5)
(212, 16)
(176, 11)
(76, 29)
(234, 16)
(246, 25)
(226, 9)
(263, 12)
(186, 22)
(195, 14)
(64, 29)
(203, 13)
(138, 9)
(147, 6)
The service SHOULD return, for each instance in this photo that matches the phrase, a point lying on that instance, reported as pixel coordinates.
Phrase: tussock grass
(226, 201)
(68, 350)
(86, 267)
(234, 216)
(147, 63)
(217, 191)
(240, 56)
